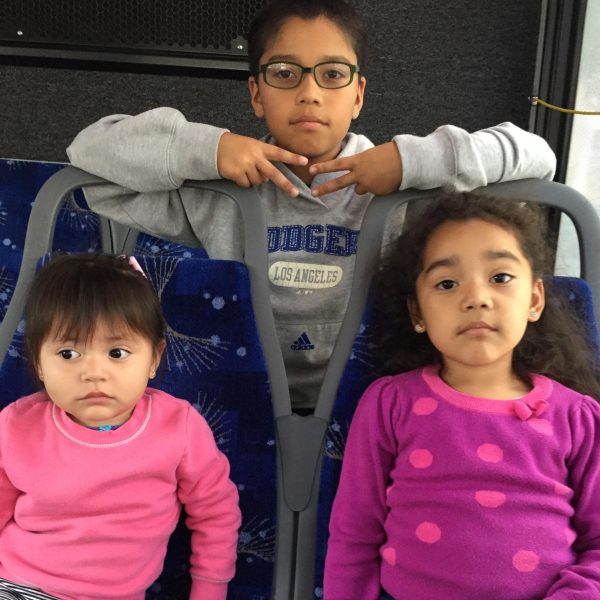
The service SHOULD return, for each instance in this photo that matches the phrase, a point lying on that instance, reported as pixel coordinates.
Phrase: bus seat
(303, 453)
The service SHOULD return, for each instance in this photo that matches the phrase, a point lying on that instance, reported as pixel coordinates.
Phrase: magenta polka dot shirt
(445, 495)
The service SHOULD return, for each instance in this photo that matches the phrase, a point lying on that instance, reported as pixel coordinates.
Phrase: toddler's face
(308, 119)
(98, 382)
(476, 294)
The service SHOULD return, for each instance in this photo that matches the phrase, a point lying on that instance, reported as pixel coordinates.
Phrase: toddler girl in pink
(96, 467)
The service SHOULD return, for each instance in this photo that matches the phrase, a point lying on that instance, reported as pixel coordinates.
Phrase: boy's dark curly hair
(268, 22)
(557, 345)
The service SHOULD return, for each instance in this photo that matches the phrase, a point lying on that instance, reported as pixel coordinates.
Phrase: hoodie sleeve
(8, 492)
(148, 157)
(582, 579)
(211, 505)
(356, 527)
(154, 151)
(455, 160)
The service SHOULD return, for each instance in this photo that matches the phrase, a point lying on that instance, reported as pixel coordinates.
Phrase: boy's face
(308, 120)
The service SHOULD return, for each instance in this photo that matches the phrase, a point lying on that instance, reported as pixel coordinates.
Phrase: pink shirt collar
(126, 433)
(532, 404)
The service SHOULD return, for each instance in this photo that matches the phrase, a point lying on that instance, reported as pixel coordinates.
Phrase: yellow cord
(535, 101)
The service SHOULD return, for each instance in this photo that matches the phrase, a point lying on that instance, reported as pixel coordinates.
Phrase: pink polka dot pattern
(490, 453)
(525, 561)
(425, 406)
(561, 489)
(490, 499)
(541, 426)
(428, 532)
(570, 535)
(421, 458)
(389, 555)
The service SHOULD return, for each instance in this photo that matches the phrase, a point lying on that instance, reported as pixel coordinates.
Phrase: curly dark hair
(268, 22)
(557, 345)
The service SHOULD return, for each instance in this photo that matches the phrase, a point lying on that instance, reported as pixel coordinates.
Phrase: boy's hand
(247, 162)
(377, 170)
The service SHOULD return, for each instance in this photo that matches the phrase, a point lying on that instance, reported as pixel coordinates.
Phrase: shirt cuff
(208, 590)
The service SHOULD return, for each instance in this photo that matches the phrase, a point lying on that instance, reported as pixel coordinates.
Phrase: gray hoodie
(312, 241)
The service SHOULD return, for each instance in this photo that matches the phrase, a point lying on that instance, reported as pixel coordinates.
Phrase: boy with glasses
(314, 178)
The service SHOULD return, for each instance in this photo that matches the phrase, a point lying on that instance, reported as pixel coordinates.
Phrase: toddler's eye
(119, 353)
(446, 284)
(502, 278)
(69, 354)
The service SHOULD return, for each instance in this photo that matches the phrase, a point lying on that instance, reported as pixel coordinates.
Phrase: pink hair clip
(134, 264)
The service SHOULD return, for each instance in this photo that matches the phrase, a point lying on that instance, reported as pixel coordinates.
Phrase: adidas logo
(303, 343)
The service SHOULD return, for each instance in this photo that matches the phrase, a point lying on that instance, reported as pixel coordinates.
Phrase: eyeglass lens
(327, 75)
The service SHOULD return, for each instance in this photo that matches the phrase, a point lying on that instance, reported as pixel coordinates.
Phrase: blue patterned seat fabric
(76, 228)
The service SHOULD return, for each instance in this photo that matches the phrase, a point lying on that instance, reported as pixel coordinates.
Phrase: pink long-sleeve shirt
(87, 514)
(446, 495)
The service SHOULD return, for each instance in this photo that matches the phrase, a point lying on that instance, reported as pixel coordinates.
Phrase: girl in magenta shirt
(96, 467)
(474, 471)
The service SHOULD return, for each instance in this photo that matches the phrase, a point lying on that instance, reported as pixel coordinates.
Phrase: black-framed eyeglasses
(288, 75)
